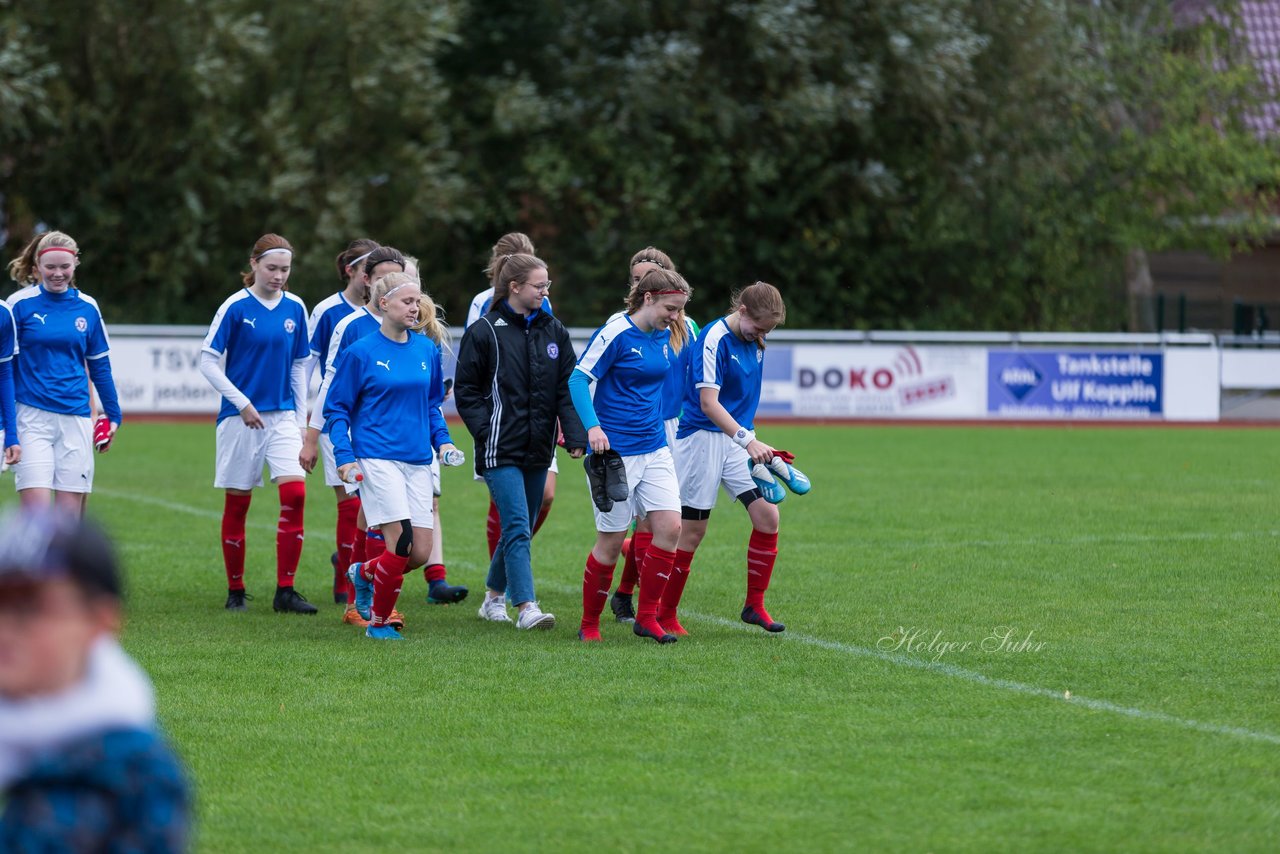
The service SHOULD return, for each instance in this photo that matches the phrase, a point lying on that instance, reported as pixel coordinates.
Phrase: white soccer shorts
(708, 460)
(393, 491)
(57, 451)
(241, 452)
(652, 484)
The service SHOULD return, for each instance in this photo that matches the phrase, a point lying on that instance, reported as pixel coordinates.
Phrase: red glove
(102, 434)
(785, 456)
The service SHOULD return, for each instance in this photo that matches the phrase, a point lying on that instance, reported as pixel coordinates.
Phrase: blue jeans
(517, 493)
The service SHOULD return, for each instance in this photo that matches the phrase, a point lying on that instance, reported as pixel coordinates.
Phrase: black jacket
(510, 386)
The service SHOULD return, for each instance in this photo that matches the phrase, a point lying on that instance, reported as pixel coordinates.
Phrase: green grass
(1143, 559)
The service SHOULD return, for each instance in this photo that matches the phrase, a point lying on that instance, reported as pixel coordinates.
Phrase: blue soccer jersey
(8, 349)
(59, 334)
(629, 368)
(261, 342)
(324, 317)
(673, 388)
(382, 396)
(723, 361)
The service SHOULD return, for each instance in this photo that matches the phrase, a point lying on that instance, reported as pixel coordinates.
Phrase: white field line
(977, 678)
(942, 668)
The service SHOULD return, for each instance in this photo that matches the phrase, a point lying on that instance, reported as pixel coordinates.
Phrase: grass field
(1142, 561)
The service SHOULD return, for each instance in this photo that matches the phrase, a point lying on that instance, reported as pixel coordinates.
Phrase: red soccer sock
(234, 510)
(655, 571)
(493, 528)
(357, 547)
(762, 551)
(434, 572)
(388, 576)
(348, 533)
(542, 517)
(293, 499)
(596, 580)
(640, 541)
(675, 589)
(374, 545)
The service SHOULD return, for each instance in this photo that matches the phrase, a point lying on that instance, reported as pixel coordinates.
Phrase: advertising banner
(1075, 384)
(877, 380)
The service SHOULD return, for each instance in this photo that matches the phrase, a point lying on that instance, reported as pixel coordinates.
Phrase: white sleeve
(317, 411)
(211, 367)
(312, 361)
(298, 382)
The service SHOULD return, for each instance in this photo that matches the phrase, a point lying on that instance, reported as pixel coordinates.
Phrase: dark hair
(356, 248)
(382, 255)
(46, 543)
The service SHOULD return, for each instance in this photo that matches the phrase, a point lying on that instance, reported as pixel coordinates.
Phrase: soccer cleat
(235, 600)
(671, 625)
(594, 464)
(290, 601)
(623, 610)
(615, 476)
(494, 609)
(589, 635)
(339, 594)
(762, 619)
(794, 479)
(534, 618)
(661, 635)
(363, 588)
(396, 620)
(444, 593)
(351, 617)
(768, 485)
(382, 633)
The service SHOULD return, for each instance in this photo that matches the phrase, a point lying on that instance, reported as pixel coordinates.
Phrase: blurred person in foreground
(83, 766)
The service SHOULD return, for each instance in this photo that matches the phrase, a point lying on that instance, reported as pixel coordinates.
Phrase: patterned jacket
(121, 792)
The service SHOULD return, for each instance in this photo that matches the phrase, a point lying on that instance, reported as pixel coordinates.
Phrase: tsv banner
(1075, 384)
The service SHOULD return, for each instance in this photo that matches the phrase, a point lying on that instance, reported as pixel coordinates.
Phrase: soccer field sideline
(939, 667)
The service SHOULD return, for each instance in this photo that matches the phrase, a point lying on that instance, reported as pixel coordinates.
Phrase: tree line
(888, 163)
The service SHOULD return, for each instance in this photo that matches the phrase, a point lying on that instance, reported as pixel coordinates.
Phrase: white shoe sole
(547, 621)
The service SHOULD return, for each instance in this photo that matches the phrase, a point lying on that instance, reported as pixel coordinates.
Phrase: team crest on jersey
(553, 350)
(81, 324)
(289, 325)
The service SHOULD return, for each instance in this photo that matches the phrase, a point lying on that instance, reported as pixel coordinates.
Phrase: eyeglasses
(544, 287)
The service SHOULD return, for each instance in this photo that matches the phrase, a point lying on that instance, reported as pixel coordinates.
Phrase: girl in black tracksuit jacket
(510, 386)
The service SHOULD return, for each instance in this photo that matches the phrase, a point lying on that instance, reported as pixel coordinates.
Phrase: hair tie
(272, 252)
(361, 258)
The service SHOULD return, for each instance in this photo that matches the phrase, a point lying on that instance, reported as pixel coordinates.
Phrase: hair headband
(396, 288)
(650, 261)
(661, 293)
(49, 249)
(273, 251)
(361, 258)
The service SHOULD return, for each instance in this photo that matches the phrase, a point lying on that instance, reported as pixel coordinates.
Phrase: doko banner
(1075, 384)
(875, 381)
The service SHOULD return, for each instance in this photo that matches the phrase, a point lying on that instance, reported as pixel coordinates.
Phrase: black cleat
(623, 610)
(235, 600)
(641, 631)
(615, 476)
(750, 615)
(444, 593)
(291, 601)
(594, 464)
